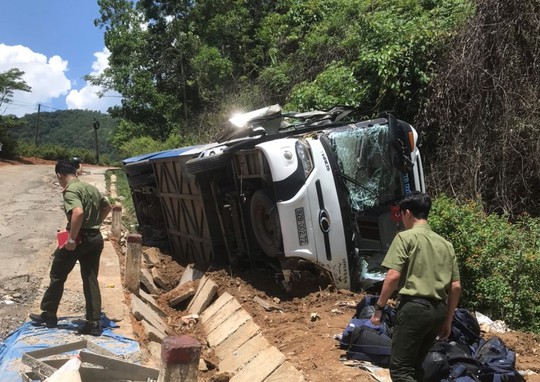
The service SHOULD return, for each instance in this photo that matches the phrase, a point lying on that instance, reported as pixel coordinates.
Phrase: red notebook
(62, 238)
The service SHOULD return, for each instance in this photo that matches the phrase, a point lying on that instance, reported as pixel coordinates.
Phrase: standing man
(85, 209)
(422, 266)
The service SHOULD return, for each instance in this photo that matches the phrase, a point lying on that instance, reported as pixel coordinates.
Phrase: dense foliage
(10, 81)
(482, 119)
(176, 62)
(499, 262)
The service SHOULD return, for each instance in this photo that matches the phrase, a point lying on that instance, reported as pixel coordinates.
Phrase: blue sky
(56, 44)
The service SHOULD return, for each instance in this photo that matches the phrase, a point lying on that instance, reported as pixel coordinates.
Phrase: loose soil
(307, 343)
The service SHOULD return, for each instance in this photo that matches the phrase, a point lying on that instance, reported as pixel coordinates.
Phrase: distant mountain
(69, 128)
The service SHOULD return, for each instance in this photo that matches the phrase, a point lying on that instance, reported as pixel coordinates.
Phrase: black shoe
(92, 328)
(44, 318)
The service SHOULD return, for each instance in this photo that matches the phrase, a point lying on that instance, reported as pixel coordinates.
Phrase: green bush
(499, 261)
(54, 152)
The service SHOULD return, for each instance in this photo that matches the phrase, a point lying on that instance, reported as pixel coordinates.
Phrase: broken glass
(364, 156)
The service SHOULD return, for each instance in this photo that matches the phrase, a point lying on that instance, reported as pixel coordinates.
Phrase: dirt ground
(308, 344)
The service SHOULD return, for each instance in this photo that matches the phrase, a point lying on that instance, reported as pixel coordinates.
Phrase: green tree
(11, 81)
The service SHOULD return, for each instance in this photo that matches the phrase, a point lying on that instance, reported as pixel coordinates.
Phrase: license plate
(301, 226)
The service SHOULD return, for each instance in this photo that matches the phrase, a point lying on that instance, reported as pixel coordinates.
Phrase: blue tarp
(29, 338)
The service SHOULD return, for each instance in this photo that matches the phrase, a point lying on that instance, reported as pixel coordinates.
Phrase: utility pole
(96, 127)
(37, 124)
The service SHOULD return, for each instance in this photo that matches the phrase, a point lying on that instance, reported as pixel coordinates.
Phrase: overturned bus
(289, 189)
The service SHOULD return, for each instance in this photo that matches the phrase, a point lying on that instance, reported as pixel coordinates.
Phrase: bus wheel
(204, 164)
(265, 223)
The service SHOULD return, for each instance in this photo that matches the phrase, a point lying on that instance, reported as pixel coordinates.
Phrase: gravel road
(31, 214)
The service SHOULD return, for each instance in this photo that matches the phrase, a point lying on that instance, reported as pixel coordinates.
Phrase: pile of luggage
(464, 357)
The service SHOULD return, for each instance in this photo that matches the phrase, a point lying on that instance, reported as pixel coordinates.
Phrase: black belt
(89, 231)
(403, 298)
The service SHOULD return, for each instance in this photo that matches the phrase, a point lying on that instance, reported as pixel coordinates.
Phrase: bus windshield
(365, 159)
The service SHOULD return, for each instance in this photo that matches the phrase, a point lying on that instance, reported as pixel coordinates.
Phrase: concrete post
(116, 225)
(179, 359)
(112, 187)
(132, 274)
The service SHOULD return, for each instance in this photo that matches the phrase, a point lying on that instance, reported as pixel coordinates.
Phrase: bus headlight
(304, 156)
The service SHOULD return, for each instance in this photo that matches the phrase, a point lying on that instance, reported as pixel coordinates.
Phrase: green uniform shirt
(426, 261)
(88, 197)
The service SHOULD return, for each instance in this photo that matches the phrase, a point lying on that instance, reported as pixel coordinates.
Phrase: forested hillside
(466, 72)
(68, 128)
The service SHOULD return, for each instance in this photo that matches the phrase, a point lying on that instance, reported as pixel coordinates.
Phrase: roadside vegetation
(465, 72)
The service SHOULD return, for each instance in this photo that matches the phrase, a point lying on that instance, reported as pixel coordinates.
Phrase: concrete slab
(203, 296)
(141, 311)
(228, 327)
(237, 339)
(260, 367)
(225, 312)
(244, 354)
(286, 373)
(215, 306)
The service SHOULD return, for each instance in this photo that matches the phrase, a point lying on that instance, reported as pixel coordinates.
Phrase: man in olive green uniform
(422, 266)
(85, 209)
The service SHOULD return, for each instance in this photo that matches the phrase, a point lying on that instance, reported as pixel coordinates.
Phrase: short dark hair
(64, 167)
(418, 203)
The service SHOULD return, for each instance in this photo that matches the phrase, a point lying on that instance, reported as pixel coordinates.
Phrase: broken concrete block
(236, 359)
(151, 257)
(148, 282)
(190, 274)
(203, 297)
(143, 312)
(268, 306)
(152, 302)
(216, 306)
(181, 293)
(154, 334)
(286, 373)
(228, 327)
(158, 279)
(261, 366)
(221, 315)
(237, 339)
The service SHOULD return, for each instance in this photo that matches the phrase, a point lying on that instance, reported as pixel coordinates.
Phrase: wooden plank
(129, 370)
(53, 350)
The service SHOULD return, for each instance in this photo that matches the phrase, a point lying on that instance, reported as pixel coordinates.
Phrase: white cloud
(46, 77)
(88, 96)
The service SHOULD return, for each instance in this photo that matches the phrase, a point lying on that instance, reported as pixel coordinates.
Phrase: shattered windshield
(364, 156)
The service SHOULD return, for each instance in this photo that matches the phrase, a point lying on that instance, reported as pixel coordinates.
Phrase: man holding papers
(85, 209)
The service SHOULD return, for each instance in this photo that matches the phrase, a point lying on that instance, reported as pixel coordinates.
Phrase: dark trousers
(88, 253)
(417, 326)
